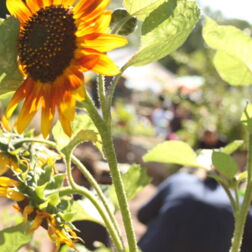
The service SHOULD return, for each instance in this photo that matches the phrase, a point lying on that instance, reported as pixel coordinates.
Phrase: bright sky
(241, 9)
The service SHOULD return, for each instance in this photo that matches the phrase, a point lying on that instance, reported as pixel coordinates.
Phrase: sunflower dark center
(47, 42)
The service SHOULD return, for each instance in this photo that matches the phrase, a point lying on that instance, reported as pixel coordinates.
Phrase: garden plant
(46, 46)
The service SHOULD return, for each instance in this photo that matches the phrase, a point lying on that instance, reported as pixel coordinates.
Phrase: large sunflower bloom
(56, 44)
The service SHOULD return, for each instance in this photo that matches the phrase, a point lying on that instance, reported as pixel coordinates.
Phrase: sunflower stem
(241, 214)
(112, 91)
(85, 192)
(102, 95)
(98, 190)
(109, 151)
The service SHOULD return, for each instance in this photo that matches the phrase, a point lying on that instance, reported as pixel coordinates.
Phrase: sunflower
(56, 44)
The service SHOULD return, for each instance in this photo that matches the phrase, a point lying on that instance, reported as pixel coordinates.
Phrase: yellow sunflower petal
(11, 194)
(36, 223)
(5, 123)
(34, 5)
(4, 167)
(27, 211)
(47, 3)
(62, 237)
(79, 94)
(8, 182)
(67, 3)
(18, 9)
(99, 25)
(87, 62)
(66, 115)
(29, 109)
(104, 42)
(47, 113)
(20, 94)
(92, 8)
(106, 66)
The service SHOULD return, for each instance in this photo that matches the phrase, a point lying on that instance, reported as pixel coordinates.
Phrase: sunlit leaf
(45, 176)
(232, 147)
(141, 8)
(10, 77)
(134, 180)
(165, 30)
(122, 23)
(225, 164)
(175, 152)
(56, 182)
(242, 176)
(81, 137)
(14, 238)
(232, 69)
(233, 59)
(81, 121)
(53, 199)
(84, 210)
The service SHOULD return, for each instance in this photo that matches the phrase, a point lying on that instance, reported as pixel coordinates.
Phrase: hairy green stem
(101, 93)
(85, 192)
(98, 190)
(109, 151)
(241, 215)
(112, 91)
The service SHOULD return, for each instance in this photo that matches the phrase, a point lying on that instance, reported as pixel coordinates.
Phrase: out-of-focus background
(180, 97)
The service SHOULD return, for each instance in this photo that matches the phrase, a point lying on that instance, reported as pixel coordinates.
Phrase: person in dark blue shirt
(189, 214)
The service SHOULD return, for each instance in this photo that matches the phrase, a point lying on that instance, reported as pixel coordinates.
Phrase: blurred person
(210, 139)
(190, 214)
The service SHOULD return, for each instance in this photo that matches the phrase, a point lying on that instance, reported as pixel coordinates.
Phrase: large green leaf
(134, 180)
(14, 238)
(82, 123)
(233, 59)
(166, 29)
(175, 152)
(225, 164)
(232, 147)
(10, 77)
(84, 210)
(81, 137)
(141, 8)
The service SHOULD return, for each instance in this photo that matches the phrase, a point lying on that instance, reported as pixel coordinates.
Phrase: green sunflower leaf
(84, 210)
(56, 182)
(134, 180)
(165, 29)
(81, 121)
(10, 77)
(81, 137)
(233, 59)
(141, 8)
(232, 147)
(174, 152)
(122, 23)
(14, 238)
(225, 164)
(45, 176)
